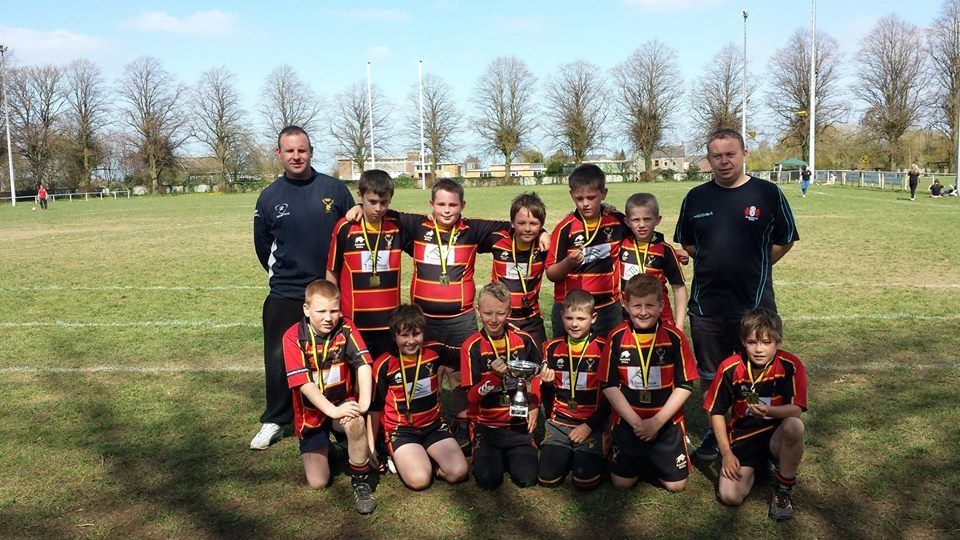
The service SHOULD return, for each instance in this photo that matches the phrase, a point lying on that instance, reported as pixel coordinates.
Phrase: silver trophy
(521, 371)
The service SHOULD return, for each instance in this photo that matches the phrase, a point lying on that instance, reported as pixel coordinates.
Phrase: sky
(330, 42)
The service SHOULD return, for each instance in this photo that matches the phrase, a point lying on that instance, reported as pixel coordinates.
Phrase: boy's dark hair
(726, 133)
(643, 285)
(497, 290)
(761, 322)
(448, 185)
(406, 317)
(643, 199)
(587, 175)
(322, 288)
(293, 130)
(532, 202)
(377, 182)
(579, 299)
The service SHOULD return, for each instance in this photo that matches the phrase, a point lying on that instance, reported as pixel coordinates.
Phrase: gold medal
(526, 303)
(374, 280)
(409, 416)
(444, 280)
(572, 405)
(645, 396)
(504, 398)
(753, 398)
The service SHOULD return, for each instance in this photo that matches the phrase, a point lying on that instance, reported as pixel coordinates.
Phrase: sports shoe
(391, 466)
(269, 433)
(781, 509)
(363, 495)
(461, 433)
(708, 450)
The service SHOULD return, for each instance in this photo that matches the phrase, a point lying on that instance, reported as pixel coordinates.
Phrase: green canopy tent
(789, 163)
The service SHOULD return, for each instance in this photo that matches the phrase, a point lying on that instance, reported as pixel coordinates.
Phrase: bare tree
(287, 100)
(36, 96)
(441, 120)
(891, 80)
(351, 122)
(649, 91)
(151, 105)
(716, 99)
(577, 108)
(789, 95)
(218, 117)
(944, 47)
(86, 118)
(504, 99)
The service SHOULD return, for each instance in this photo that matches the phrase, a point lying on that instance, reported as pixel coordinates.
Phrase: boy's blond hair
(579, 300)
(643, 285)
(496, 290)
(761, 322)
(322, 288)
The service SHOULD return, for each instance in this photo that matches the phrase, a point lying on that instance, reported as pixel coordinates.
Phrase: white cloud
(370, 14)
(671, 5)
(30, 46)
(202, 22)
(378, 53)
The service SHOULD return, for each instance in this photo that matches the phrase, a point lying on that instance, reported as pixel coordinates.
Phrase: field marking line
(788, 283)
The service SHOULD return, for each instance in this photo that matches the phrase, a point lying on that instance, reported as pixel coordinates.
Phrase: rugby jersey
(367, 303)
(529, 264)
(303, 356)
(672, 365)
(423, 388)
(784, 382)
(470, 236)
(485, 387)
(659, 260)
(597, 274)
(591, 407)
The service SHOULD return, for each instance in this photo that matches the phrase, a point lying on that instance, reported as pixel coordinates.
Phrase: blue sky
(330, 42)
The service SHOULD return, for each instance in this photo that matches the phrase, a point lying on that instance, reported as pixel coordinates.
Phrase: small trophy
(522, 371)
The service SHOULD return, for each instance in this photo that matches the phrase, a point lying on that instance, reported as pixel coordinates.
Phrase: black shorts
(378, 342)
(317, 438)
(532, 325)
(714, 339)
(754, 451)
(425, 436)
(451, 331)
(667, 455)
(499, 450)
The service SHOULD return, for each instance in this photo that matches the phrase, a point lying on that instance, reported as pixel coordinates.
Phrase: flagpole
(812, 117)
(373, 158)
(423, 172)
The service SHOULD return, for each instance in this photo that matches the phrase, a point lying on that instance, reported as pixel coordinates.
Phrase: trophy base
(518, 411)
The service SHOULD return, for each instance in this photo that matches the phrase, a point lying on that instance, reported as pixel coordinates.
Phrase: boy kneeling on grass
(406, 404)
(328, 371)
(766, 392)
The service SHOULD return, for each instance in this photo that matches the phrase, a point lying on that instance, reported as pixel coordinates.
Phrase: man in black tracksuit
(292, 226)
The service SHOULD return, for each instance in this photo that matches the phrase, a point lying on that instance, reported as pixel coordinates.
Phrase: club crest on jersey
(397, 378)
(578, 240)
(590, 363)
(609, 233)
(504, 255)
(358, 242)
(327, 204)
(752, 213)
(428, 236)
(660, 354)
(389, 240)
(625, 357)
(282, 210)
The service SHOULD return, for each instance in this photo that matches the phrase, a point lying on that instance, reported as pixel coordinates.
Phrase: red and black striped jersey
(672, 365)
(597, 274)
(439, 297)
(423, 388)
(366, 300)
(580, 364)
(783, 383)
(659, 260)
(529, 265)
(303, 356)
(485, 387)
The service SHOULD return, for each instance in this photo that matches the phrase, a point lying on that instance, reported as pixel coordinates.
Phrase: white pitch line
(128, 324)
(872, 317)
(882, 366)
(789, 283)
(133, 288)
(132, 369)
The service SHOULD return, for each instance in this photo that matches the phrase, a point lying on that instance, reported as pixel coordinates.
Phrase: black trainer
(363, 496)
(781, 509)
(708, 451)
(461, 433)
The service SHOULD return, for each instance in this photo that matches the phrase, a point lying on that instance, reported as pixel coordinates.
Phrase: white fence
(871, 179)
(78, 196)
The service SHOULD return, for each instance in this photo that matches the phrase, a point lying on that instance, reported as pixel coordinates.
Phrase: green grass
(869, 297)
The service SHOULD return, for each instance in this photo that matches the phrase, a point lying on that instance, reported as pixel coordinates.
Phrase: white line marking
(873, 317)
(789, 283)
(882, 366)
(134, 288)
(132, 369)
(173, 323)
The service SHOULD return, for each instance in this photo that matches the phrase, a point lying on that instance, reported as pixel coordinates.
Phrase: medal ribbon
(513, 251)
(586, 230)
(319, 363)
(645, 364)
(407, 394)
(506, 342)
(375, 251)
(575, 370)
(641, 261)
(443, 254)
(754, 381)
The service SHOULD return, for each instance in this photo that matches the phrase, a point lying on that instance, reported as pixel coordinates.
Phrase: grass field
(131, 383)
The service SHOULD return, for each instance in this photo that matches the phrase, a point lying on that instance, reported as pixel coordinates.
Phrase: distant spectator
(804, 180)
(936, 189)
(914, 177)
(951, 192)
(42, 196)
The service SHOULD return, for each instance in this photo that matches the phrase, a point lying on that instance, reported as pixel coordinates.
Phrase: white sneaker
(391, 466)
(269, 433)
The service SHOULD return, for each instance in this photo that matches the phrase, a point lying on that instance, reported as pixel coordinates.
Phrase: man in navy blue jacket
(292, 226)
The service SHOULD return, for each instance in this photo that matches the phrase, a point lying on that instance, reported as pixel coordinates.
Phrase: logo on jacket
(327, 204)
(625, 357)
(282, 210)
(578, 240)
(752, 213)
(504, 255)
(358, 242)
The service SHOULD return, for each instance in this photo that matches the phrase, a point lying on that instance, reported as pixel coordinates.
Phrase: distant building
(395, 166)
(668, 157)
(498, 170)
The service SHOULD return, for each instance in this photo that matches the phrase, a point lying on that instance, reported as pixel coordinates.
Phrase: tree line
(70, 125)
